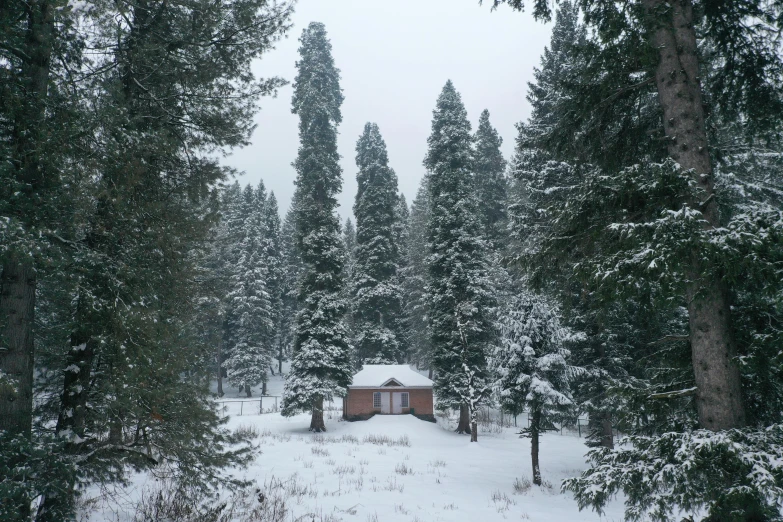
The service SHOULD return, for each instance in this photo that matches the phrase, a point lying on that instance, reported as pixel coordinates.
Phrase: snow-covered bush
(727, 476)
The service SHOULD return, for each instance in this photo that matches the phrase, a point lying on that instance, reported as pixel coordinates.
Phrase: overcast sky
(394, 58)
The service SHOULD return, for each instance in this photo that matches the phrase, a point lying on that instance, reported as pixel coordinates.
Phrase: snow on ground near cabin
(423, 472)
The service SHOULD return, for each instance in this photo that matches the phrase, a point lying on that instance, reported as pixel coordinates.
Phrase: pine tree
(415, 281)
(292, 269)
(250, 352)
(459, 293)
(490, 179)
(273, 257)
(321, 366)
(532, 367)
(377, 297)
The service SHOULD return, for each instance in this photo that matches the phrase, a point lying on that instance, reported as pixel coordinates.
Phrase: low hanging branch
(674, 394)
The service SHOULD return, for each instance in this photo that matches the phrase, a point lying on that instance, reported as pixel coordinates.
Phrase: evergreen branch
(671, 339)
(674, 394)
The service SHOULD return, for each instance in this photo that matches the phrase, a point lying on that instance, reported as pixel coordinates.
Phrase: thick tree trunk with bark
(719, 395)
(317, 420)
(464, 419)
(535, 430)
(17, 307)
(263, 388)
(248, 391)
(17, 286)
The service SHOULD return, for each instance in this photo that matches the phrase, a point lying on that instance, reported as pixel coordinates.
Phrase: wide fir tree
(377, 296)
(321, 366)
(460, 295)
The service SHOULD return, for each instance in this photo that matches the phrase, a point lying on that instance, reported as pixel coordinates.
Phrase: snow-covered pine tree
(291, 270)
(415, 280)
(273, 257)
(490, 180)
(532, 367)
(321, 366)
(377, 297)
(460, 295)
(249, 356)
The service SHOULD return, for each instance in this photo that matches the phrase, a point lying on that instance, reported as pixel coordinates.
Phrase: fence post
(579, 425)
(260, 405)
(241, 407)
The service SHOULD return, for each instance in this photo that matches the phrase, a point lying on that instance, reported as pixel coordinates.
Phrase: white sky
(394, 57)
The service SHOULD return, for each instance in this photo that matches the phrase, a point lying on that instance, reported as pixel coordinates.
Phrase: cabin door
(396, 402)
(385, 402)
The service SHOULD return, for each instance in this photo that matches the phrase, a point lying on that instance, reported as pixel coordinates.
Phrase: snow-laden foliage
(377, 296)
(490, 179)
(321, 365)
(251, 350)
(531, 360)
(729, 475)
(415, 280)
(460, 295)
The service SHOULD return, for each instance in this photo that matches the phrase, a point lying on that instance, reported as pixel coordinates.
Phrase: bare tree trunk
(317, 420)
(17, 306)
(535, 430)
(464, 419)
(429, 373)
(719, 396)
(220, 367)
(263, 388)
(280, 358)
(248, 391)
(607, 435)
(473, 431)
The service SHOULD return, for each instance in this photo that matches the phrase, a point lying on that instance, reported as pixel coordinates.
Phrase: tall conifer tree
(460, 296)
(321, 366)
(490, 179)
(415, 279)
(377, 303)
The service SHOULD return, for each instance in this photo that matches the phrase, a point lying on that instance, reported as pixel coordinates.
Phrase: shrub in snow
(734, 475)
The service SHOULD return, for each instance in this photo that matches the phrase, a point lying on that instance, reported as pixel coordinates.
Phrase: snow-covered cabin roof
(378, 375)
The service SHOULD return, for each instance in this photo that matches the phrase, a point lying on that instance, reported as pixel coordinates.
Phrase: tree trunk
(248, 391)
(76, 386)
(17, 308)
(263, 388)
(219, 358)
(429, 373)
(607, 435)
(535, 430)
(473, 431)
(18, 280)
(317, 420)
(719, 396)
(464, 419)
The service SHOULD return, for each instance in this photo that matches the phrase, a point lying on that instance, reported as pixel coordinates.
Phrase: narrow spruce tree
(377, 297)
(460, 293)
(415, 279)
(321, 366)
(273, 254)
(490, 179)
(291, 270)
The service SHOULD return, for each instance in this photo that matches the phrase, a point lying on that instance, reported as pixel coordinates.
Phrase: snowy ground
(399, 468)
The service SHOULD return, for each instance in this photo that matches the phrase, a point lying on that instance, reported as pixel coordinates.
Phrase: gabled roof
(378, 375)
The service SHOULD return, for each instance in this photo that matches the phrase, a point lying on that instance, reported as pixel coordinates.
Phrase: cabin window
(376, 400)
(405, 400)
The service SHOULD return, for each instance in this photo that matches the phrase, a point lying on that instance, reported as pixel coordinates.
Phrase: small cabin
(388, 389)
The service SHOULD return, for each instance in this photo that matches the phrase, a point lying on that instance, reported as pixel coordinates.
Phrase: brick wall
(359, 401)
